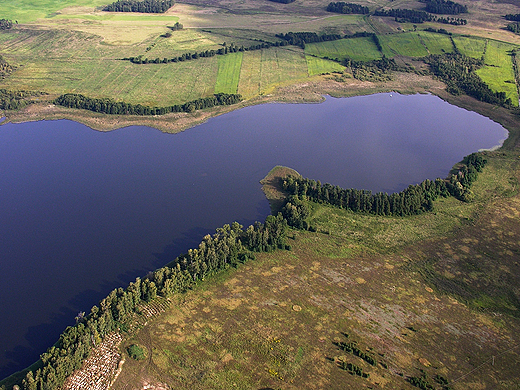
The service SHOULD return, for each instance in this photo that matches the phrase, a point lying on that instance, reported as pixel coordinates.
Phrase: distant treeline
(458, 73)
(408, 15)
(146, 6)
(415, 16)
(14, 100)
(284, 1)
(445, 7)
(513, 17)
(110, 106)
(228, 49)
(5, 24)
(341, 7)
(439, 30)
(229, 246)
(415, 199)
(301, 38)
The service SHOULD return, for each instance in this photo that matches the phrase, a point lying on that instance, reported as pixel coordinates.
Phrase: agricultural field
(471, 47)
(317, 65)
(228, 73)
(264, 70)
(358, 49)
(403, 44)
(498, 72)
(436, 43)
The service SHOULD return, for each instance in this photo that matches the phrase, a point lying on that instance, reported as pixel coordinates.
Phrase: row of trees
(458, 73)
(283, 1)
(415, 16)
(406, 15)
(229, 246)
(110, 106)
(415, 199)
(226, 49)
(6, 24)
(341, 7)
(146, 6)
(445, 7)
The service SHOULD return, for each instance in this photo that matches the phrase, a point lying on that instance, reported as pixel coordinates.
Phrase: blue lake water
(83, 212)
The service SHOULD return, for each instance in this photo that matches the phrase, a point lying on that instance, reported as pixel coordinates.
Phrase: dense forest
(445, 7)
(110, 106)
(146, 6)
(341, 7)
(415, 199)
(458, 73)
(5, 24)
(229, 246)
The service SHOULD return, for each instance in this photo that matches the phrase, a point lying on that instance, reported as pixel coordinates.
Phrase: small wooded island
(338, 288)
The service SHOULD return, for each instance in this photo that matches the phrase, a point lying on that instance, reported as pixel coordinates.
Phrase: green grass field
(470, 46)
(263, 70)
(498, 72)
(358, 49)
(28, 11)
(405, 44)
(321, 66)
(436, 43)
(228, 74)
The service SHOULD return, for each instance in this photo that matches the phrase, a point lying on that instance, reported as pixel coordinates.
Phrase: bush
(136, 352)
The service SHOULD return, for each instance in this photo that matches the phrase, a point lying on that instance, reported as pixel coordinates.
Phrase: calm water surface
(83, 212)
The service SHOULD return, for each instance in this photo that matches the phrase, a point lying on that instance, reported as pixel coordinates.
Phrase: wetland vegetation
(424, 286)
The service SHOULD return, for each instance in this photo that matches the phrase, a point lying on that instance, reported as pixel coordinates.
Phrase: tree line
(302, 38)
(6, 24)
(514, 27)
(146, 6)
(284, 1)
(229, 246)
(445, 7)
(457, 71)
(226, 49)
(513, 17)
(110, 106)
(341, 7)
(416, 16)
(415, 199)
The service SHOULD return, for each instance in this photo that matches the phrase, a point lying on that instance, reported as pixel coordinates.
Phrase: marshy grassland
(433, 296)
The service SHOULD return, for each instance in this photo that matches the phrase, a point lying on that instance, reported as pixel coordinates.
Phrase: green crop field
(320, 66)
(263, 70)
(436, 43)
(405, 44)
(498, 72)
(470, 46)
(358, 49)
(28, 11)
(228, 73)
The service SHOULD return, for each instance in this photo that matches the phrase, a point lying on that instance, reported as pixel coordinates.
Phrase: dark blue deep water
(83, 212)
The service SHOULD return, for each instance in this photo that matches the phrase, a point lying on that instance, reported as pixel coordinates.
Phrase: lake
(83, 212)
